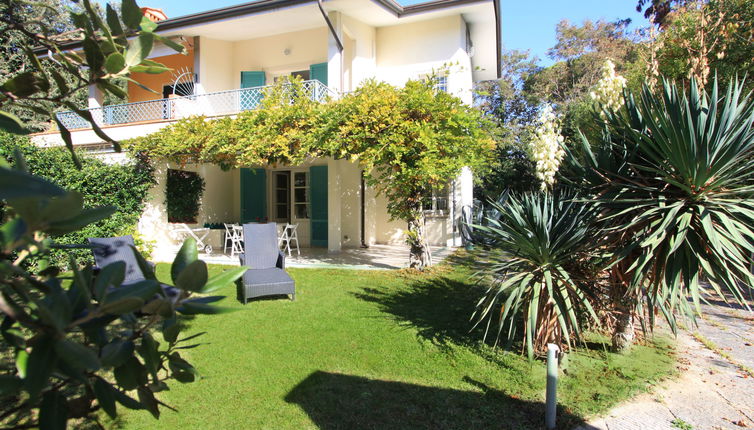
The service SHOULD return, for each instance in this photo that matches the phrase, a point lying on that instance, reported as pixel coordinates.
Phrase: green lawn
(379, 349)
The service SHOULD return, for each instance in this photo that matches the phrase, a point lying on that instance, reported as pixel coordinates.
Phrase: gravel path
(715, 389)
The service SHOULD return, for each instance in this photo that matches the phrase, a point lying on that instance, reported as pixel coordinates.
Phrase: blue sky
(527, 24)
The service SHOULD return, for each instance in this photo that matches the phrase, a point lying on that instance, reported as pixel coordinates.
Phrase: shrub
(541, 269)
(672, 178)
(122, 186)
(183, 194)
(74, 345)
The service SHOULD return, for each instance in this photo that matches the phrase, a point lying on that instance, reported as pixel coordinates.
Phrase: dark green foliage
(541, 269)
(122, 186)
(40, 86)
(183, 195)
(673, 177)
(515, 111)
(77, 344)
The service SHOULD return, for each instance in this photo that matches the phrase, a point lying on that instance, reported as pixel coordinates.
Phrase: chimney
(154, 14)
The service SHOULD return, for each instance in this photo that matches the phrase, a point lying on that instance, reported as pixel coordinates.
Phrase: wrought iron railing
(210, 104)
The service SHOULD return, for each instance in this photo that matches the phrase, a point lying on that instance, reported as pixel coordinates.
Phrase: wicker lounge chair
(266, 275)
(111, 249)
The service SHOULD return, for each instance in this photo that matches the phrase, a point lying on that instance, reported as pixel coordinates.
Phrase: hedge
(124, 186)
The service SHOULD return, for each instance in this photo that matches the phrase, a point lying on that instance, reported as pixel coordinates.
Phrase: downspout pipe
(329, 24)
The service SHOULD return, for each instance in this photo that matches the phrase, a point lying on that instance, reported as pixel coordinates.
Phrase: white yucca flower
(546, 146)
(608, 92)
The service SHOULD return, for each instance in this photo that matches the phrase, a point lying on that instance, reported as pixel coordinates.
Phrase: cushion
(266, 277)
(114, 249)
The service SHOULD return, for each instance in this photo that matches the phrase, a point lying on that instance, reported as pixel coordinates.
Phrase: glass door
(282, 197)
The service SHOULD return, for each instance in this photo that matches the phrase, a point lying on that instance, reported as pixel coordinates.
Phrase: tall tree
(48, 16)
(515, 111)
(106, 57)
(580, 53)
(701, 38)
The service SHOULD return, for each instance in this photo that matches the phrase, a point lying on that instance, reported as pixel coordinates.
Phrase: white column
(334, 56)
(95, 101)
(333, 206)
(153, 223)
(95, 97)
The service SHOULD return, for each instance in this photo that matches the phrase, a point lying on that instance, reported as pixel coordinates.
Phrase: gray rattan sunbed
(266, 275)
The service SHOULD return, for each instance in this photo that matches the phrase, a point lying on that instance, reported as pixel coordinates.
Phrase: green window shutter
(253, 79)
(253, 195)
(251, 99)
(318, 72)
(318, 201)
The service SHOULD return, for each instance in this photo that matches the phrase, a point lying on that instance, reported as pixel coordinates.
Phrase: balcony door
(281, 206)
(250, 99)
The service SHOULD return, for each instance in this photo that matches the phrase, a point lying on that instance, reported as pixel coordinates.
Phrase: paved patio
(715, 386)
(376, 257)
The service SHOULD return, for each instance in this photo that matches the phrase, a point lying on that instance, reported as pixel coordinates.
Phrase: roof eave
(265, 5)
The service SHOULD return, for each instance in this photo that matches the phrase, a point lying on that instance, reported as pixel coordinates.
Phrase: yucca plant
(673, 177)
(538, 266)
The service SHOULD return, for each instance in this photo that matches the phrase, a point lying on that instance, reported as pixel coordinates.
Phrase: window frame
(435, 195)
(305, 187)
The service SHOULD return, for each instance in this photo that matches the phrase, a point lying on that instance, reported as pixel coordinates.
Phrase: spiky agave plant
(673, 176)
(539, 269)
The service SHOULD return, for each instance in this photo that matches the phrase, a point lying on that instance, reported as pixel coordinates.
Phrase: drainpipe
(329, 24)
(454, 228)
(363, 213)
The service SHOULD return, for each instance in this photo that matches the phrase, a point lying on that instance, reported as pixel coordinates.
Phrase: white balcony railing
(210, 104)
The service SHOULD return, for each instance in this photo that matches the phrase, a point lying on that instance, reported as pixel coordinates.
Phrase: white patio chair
(282, 231)
(236, 240)
(290, 234)
(228, 243)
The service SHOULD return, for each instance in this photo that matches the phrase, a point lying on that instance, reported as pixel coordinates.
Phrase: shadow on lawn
(337, 401)
(438, 307)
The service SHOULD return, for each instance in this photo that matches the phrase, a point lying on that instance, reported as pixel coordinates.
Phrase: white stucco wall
(268, 54)
(409, 51)
(363, 52)
(216, 206)
(350, 204)
(215, 66)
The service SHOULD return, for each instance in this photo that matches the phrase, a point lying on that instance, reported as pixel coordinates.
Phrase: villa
(333, 45)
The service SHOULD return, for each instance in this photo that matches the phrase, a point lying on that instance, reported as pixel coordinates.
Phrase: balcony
(210, 104)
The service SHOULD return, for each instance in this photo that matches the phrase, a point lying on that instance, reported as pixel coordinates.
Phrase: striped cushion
(114, 249)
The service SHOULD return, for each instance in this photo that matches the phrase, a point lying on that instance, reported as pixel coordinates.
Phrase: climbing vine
(408, 139)
(183, 195)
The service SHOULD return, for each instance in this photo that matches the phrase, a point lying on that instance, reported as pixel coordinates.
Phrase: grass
(380, 349)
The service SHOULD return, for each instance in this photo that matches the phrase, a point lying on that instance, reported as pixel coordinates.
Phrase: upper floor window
(440, 81)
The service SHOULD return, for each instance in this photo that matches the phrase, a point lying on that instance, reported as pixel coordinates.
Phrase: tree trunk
(622, 308)
(418, 253)
(623, 332)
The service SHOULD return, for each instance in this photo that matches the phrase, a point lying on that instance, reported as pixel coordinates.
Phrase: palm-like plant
(673, 176)
(538, 266)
